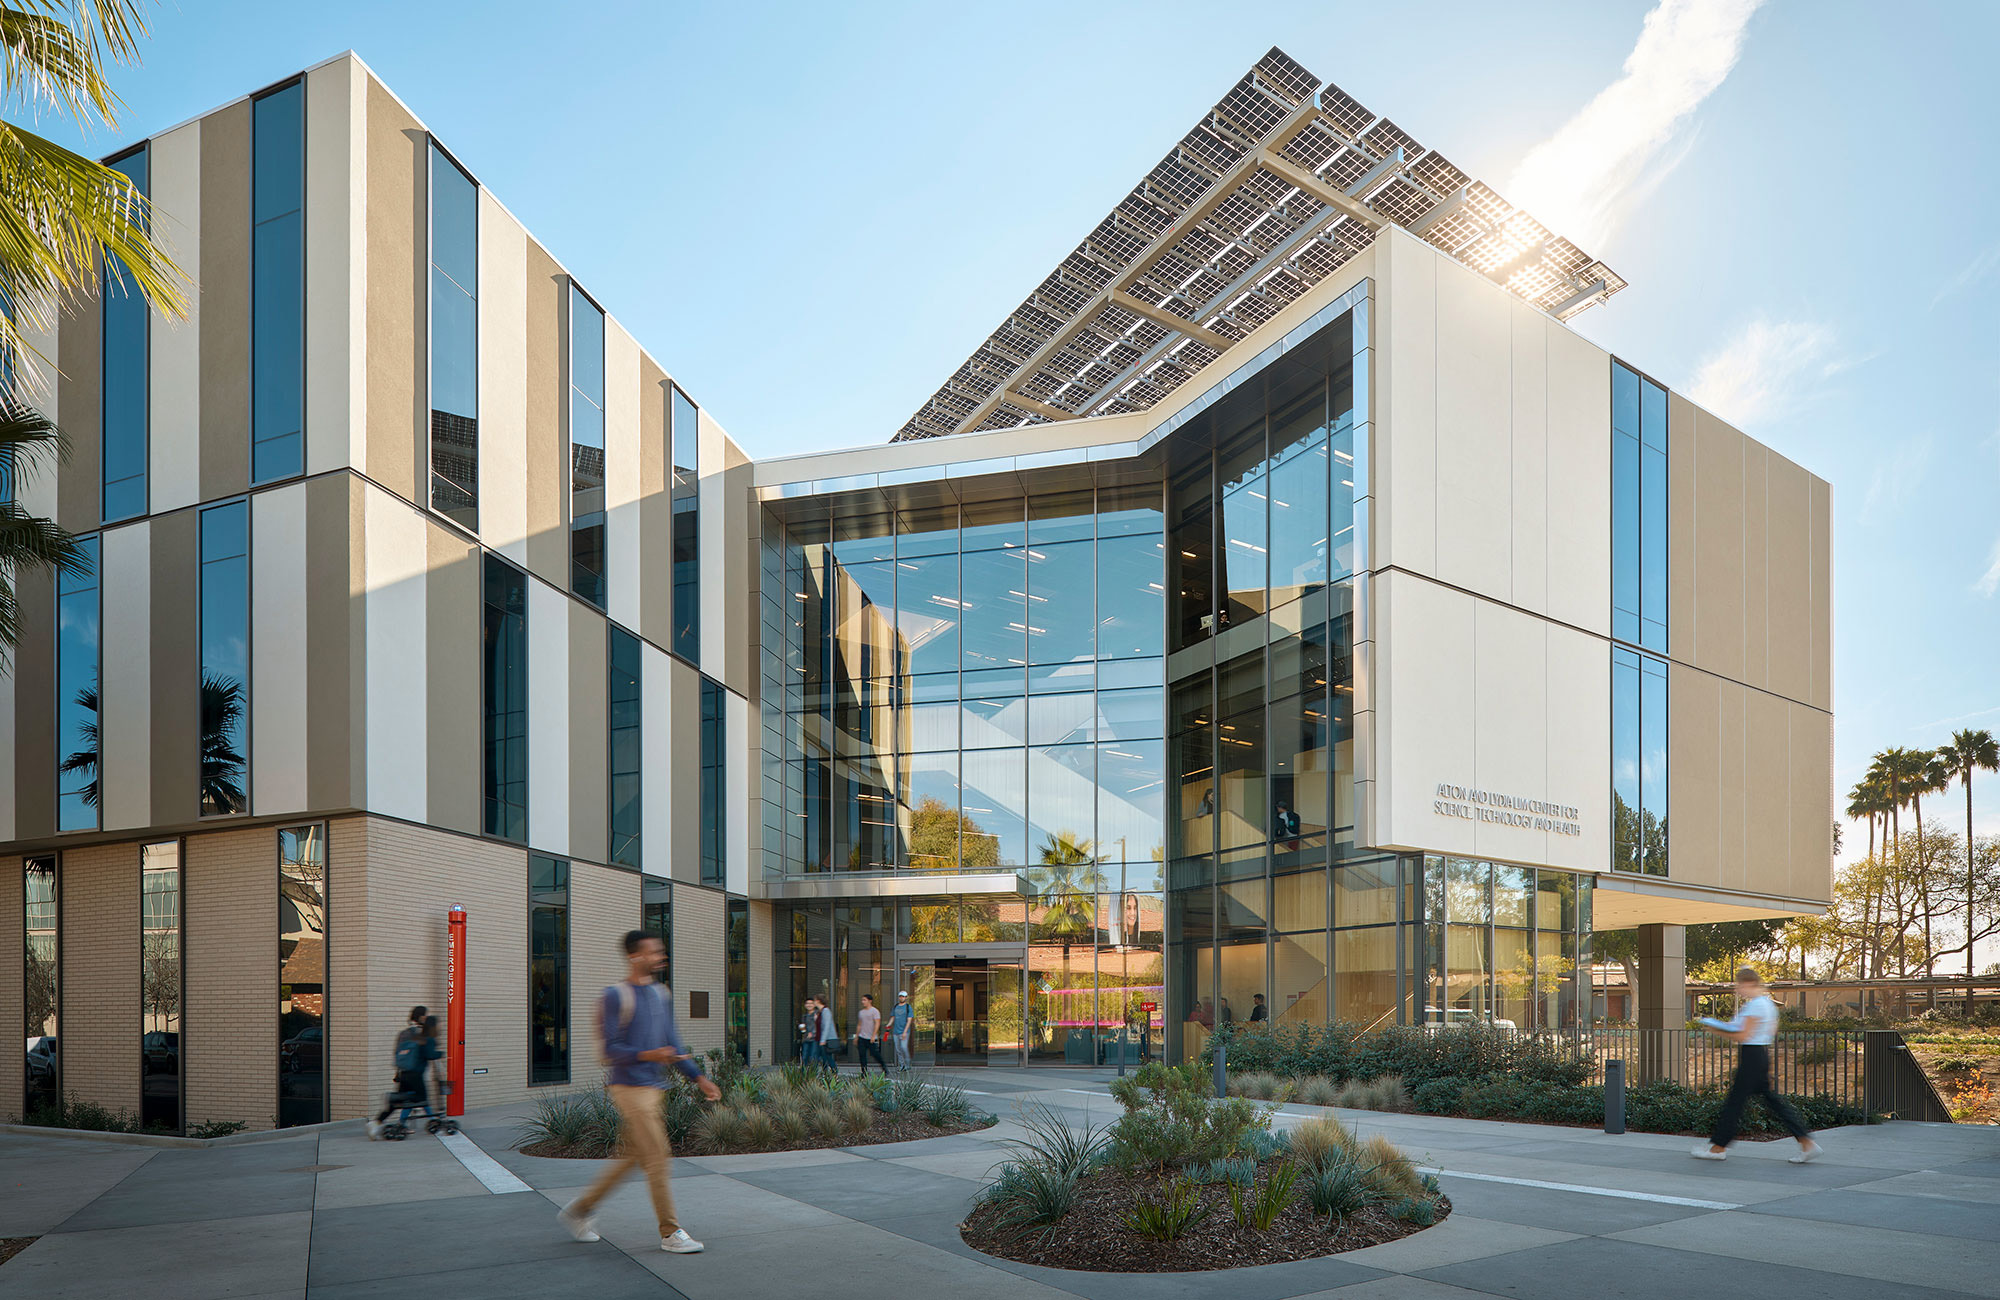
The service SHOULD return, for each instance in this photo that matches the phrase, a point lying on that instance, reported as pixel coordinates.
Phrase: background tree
(1969, 751)
(61, 216)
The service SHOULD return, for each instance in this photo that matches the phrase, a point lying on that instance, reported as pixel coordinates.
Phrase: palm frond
(55, 52)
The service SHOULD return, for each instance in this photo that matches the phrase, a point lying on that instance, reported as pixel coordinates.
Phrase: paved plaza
(1899, 1210)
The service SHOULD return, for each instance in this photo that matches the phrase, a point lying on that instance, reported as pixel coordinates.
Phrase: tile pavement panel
(1594, 1268)
(938, 1146)
(39, 1190)
(1946, 1182)
(850, 1259)
(1934, 1215)
(1398, 1288)
(1849, 1251)
(1976, 1168)
(765, 1161)
(723, 1209)
(868, 1190)
(372, 1184)
(1828, 1172)
(1537, 1207)
(422, 1237)
(979, 1166)
(590, 1273)
(1459, 1238)
(242, 1257)
(222, 1183)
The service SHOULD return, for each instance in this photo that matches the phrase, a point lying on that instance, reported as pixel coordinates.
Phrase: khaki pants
(644, 1144)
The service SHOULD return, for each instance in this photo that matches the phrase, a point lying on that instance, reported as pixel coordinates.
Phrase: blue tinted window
(1653, 765)
(277, 286)
(586, 448)
(1639, 574)
(225, 658)
(77, 652)
(504, 726)
(683, 433)
(1638, 762)
(454, 343)
(548, 970)
(714, 786)
(625, 717)
(125, 359)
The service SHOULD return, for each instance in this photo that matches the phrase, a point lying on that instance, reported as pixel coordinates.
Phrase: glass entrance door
(1005, 1036)
(963, 991)
(918, 980)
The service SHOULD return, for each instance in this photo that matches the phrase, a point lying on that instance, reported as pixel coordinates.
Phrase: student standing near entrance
(1753, 1030)
(868, 1034)
(899, 1029)
(636, 1018)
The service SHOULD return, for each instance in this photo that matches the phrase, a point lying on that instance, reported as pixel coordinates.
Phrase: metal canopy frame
(1272, 191)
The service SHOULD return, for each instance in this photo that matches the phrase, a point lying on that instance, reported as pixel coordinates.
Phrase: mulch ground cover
(1093, 1236)
(887, 1128)
(12, 1246)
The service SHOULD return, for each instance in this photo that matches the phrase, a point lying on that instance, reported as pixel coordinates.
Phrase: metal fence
(1867, 1068)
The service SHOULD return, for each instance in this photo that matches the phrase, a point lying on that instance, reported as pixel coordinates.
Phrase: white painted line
(1084, 1092)
(482, 1166)
(1618, 1192)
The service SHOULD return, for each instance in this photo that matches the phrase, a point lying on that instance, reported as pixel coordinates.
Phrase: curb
(169, 1142)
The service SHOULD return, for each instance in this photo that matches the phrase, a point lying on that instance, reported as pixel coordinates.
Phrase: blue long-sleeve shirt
(648, 1028)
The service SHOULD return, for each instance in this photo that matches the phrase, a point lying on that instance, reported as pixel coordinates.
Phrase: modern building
(1282, 616)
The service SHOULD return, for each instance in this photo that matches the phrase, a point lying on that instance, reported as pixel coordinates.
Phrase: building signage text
(1506, 810)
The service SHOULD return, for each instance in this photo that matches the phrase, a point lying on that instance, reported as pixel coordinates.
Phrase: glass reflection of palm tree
(1066, 879)
(221, 761)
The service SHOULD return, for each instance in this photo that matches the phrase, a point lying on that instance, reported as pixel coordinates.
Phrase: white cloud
(1582, 180)
(1989, 582)
(1969, 274)
(1898, 470)
(1760, 371)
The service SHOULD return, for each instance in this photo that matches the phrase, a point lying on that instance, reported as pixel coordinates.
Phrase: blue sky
(811, 213)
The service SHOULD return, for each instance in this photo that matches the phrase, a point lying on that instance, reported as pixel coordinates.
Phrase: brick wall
(698, 964)
(762, 917)
(100, 974)
(391, 887)
(603, 905)
(13, 964)
(230, 927)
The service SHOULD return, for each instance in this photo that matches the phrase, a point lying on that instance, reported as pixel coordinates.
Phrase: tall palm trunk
(1968, 891)
(1867, 906)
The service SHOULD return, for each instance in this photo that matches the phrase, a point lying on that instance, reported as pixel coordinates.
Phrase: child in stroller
(416, 1049)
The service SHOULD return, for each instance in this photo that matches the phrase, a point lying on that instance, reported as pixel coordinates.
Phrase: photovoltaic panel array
(1279, 184)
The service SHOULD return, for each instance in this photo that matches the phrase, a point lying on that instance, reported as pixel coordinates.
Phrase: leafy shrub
(1259, 1085)
(1263, 1144)
(1419, 1210)
(1338, 1188)
(216, 1128)
(584, 1123)
(1258, 1207)
(877, 1089)
(1052, 1141)
(946, 1103)
(1319, 1143)
(1237, 1171)
(1438, 1096)
(1419, 1053)
(1169, 1216)
(908, 1095)
(1956, 1062)
(1170, 1120)
(684, 1108)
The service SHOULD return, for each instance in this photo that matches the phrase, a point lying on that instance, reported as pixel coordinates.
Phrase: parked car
(161, 1049)
(1438, 1017)
(303, 1051)
(41, 1061)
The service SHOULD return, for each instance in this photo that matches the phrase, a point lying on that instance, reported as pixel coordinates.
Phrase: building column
(1662, 1003)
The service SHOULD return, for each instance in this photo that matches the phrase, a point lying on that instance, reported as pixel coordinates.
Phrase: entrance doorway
(963, 995)
(965, 1011)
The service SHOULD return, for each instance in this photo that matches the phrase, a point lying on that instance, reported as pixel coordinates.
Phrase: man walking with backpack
(636, 1018)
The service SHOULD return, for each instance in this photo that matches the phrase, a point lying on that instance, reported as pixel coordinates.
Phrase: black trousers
(1753, 1079)
(407, 1081)
(863, 1046)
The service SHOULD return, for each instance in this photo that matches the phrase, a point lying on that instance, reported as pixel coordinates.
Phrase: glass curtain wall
(586, 448)
(1638, 762)
(302, 938)
(454, 380)
(160, 986)
(625, 721)
(77, 656)
(504, 690)
(684, 436)
(42, 984)
(225, 659)
(125, 372)
(1639, 618)
(1504, 945)
(1262, 554)
(548, 970)
(278, 284)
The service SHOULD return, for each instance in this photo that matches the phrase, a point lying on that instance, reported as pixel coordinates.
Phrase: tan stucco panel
(452, 646)
(1788, 578)
(176, 658)
(80, 408)
(1819, 555)
(398, 204)
(1756, 565)
(1694, 797)
(548, 475)
(225, 301)
(1683, 523)
(1719, 453)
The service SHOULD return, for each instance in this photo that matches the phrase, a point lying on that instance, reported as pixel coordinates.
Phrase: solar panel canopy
(1278, 185)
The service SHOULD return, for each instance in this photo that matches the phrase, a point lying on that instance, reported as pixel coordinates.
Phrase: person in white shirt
(1753, 1030)
(868, 1034)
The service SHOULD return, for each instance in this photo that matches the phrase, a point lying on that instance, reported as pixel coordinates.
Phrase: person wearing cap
(899, 1029)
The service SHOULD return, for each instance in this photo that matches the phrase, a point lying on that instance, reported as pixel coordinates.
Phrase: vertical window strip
(78, 618)
(548, 970)
(713, 785)
(277, 285)
(504, 703)
(454, 342)
(224, 685)
(683, 434)
(124, 374)
(161, 988)
(42, 985)
(302, 957)
(586, 449)
(656, 917)
(625, 747)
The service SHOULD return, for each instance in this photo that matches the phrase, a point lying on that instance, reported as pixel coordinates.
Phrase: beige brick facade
(762, 921)
(698, 965)
(229, 1035)
(603, 905)
(100, 975)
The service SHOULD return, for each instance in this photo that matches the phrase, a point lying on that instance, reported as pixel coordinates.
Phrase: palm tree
(1067, 879)
(1967, 751)
(62, 215)
(1870, 799)
(221, 764)
(84, 761)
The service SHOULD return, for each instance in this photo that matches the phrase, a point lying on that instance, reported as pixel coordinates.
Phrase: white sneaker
(680, 1243)
(374, 1130)
(1807, 1154)
(1703, 1152)
(581, 1227)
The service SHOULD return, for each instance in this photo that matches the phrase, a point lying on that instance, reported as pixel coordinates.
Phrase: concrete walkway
(1900, 1210)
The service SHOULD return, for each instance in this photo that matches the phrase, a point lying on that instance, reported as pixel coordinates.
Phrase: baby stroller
(417, 1105)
